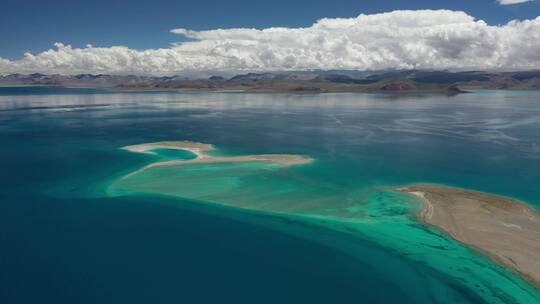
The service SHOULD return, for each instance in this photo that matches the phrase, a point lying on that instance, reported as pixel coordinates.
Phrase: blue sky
(35, 25)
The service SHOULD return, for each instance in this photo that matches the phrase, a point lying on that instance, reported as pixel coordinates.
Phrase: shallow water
(172, 154)
(73, 229)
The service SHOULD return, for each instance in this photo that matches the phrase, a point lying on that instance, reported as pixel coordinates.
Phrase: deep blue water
(62, 241)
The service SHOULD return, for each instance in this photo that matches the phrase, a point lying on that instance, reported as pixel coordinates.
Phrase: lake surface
(74, 229)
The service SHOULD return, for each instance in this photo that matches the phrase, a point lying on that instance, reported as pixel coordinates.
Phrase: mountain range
(311, 81)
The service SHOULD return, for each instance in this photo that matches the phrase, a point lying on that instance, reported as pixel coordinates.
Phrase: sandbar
(506, 230)
(201, 151)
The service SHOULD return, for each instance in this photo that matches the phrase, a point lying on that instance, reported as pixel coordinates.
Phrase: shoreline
(505, 230)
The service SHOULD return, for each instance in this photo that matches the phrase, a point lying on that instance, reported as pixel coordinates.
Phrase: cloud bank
(423, 39)
(509, 2)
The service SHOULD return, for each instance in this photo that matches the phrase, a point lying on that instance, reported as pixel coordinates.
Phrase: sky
(168, 37)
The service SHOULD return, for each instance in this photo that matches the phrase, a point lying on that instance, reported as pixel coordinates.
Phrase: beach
(502, 228)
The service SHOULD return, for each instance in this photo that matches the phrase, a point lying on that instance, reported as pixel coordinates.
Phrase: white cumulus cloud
(509, 2)
(424, 39)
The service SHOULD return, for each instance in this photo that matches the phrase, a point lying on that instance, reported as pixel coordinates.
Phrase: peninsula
(504, 229)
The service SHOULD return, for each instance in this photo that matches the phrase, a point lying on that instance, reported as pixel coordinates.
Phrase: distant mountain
(80, 80)
(216, 78)
(301, 81)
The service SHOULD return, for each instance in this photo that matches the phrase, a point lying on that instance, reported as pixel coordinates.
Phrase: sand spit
(504, 229)
(201, 149)
(194, 147)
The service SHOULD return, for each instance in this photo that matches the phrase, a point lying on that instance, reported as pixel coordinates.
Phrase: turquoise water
(75, 228)
(172, 154)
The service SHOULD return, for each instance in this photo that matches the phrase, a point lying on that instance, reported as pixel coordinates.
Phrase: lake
(74, 229)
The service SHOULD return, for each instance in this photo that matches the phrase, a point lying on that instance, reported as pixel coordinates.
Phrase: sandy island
(201, 149)
(506, 230)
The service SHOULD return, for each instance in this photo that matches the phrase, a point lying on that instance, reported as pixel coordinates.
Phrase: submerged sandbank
(378, 214)
(201, 149)
(505, 229)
